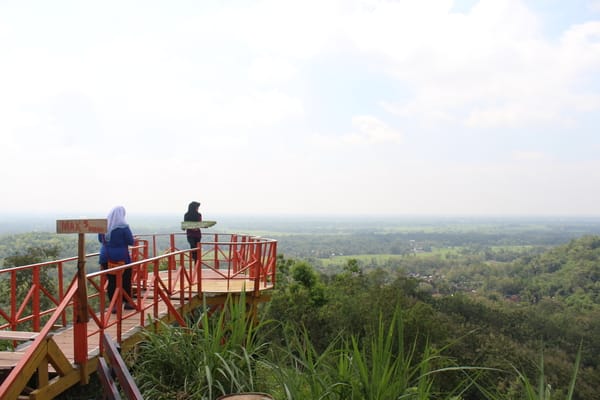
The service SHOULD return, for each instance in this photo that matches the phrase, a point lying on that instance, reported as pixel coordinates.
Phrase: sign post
(81, 227)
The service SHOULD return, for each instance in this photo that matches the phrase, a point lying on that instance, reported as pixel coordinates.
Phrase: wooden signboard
(81, 225)
(197, 225)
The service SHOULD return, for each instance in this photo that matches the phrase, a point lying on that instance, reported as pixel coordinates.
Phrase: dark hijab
(192, 214)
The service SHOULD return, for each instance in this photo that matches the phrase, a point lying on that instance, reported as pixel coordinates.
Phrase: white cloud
(580, 48)
(263, 108)
(490, 67)
(271, 70)
(294, 30)
(523, 155)
(367, 131)
(371, 130)
(594, 5)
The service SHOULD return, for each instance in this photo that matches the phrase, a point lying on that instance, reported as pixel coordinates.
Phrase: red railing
(15, 314)
(170, 277)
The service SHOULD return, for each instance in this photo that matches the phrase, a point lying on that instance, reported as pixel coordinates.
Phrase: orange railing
(246, 257)
(170, 277)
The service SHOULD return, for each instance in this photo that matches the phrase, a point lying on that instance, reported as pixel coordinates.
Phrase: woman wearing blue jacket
(115, 248)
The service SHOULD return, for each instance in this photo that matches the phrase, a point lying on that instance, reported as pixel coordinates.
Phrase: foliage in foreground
(228, 354)
(497, 335)
(215, 355)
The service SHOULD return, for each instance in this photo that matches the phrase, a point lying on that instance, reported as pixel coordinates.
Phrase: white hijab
(116, 219)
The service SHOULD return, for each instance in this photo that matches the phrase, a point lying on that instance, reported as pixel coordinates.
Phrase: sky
(429, 107)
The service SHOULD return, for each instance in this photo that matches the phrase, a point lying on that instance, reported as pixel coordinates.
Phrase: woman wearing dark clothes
(115, 247)
(193, 235)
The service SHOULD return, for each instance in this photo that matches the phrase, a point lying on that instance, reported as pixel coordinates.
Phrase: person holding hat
(193, 235)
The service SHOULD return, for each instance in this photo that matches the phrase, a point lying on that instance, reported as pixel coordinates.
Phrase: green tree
(24, 278)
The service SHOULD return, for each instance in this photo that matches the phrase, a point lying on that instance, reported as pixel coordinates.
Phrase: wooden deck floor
(212, 285)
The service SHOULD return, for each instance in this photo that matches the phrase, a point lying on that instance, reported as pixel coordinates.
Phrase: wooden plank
(8, 359)
(57, 386)
(58, 360)
(197, 224)
(17, 335)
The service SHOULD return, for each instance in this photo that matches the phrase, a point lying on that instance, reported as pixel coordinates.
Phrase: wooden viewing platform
(53, 349)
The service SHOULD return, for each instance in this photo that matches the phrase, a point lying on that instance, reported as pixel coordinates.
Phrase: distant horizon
(83, 215)
(309, 223)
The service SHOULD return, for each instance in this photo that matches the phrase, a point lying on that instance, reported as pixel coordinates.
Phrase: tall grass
(298, 371)
(526, 389)
(375, 368)
(215, 355)
(544, 390)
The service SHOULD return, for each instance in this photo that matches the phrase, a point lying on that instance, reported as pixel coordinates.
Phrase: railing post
(216, 251)
(232, 254)
(273, 263)
(171, 249)
(258, 266)
(80, 339)
(35, 309)
(141, 271)
(198, 267)
(13, 300)
(252, 244)
(61, 290)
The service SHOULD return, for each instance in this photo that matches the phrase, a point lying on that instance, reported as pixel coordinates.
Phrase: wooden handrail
(115, 365)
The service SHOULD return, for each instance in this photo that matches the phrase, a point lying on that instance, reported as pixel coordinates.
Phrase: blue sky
(431, 107)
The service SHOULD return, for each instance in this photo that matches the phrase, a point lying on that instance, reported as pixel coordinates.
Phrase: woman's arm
(129, 236)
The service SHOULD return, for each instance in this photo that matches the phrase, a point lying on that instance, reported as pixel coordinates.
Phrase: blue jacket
(116, 249)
